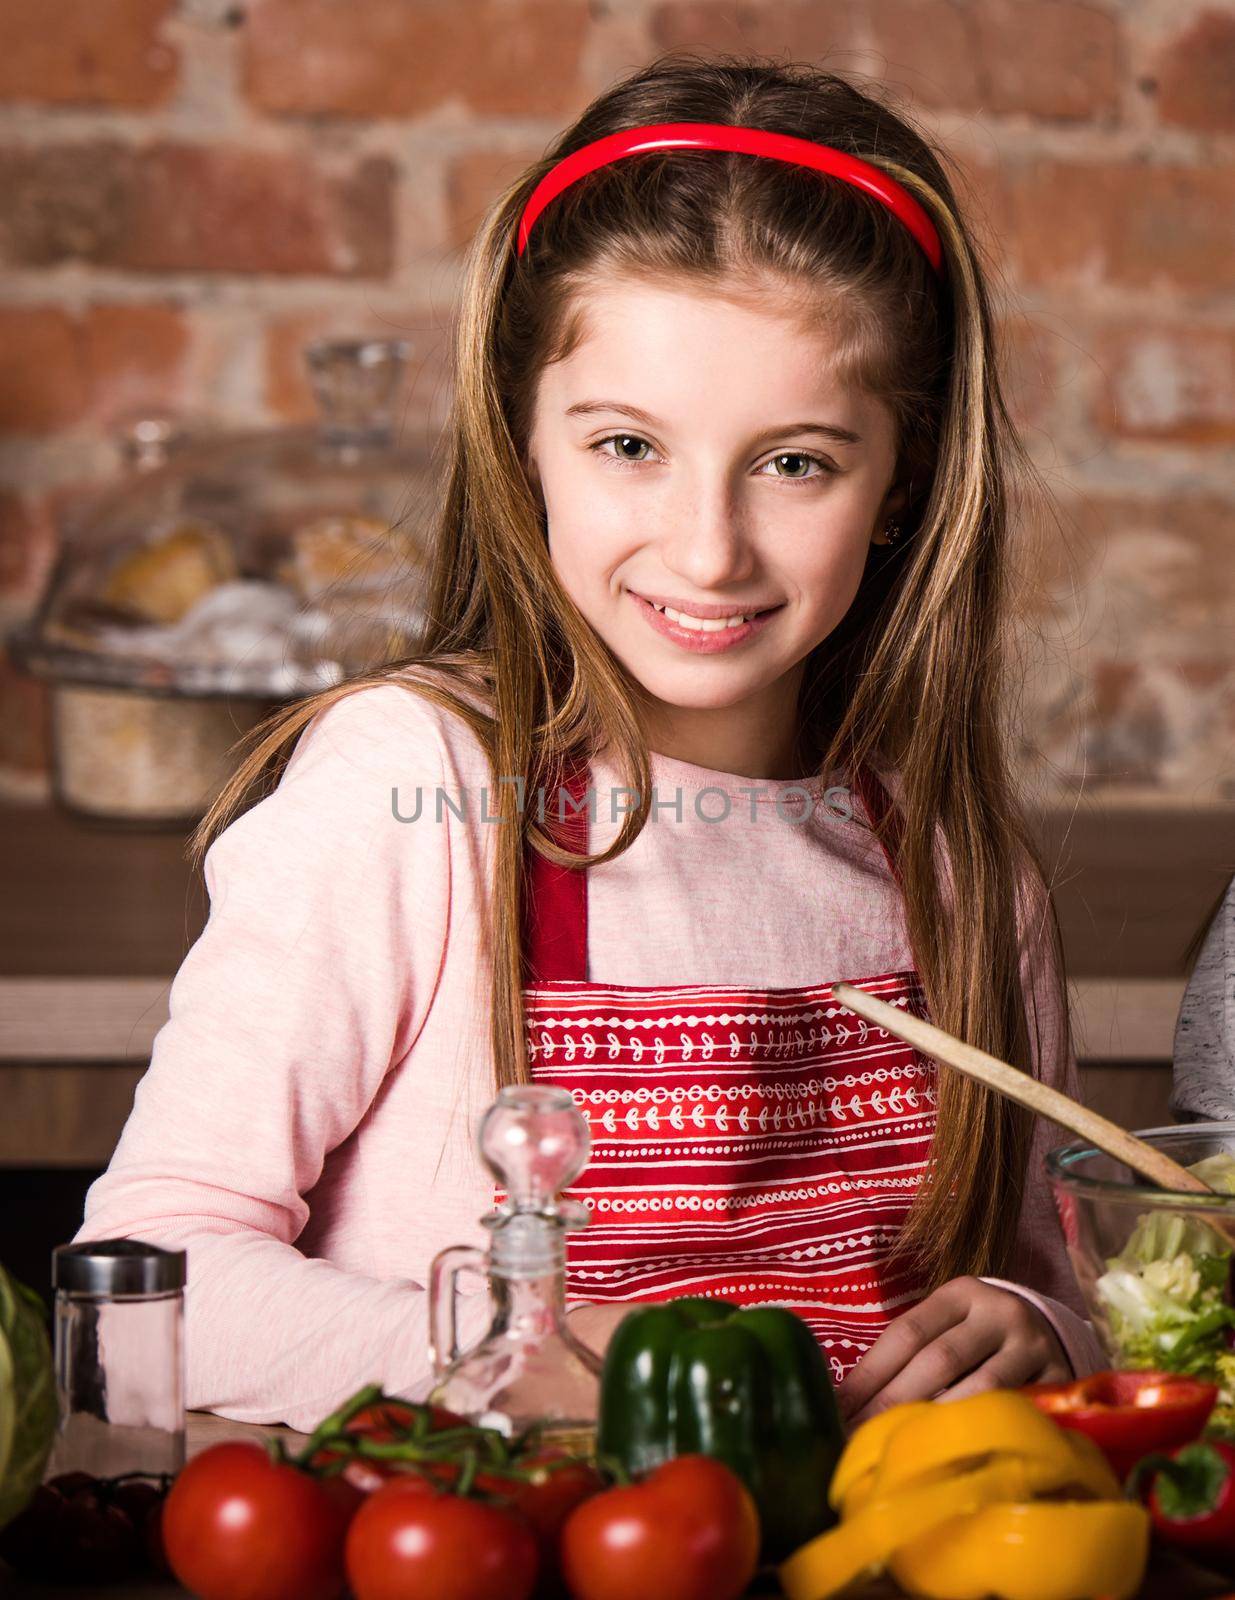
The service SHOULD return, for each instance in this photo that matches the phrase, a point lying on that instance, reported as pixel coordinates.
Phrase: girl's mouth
(708, 639)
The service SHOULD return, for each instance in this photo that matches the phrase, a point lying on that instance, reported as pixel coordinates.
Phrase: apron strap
(555, 909)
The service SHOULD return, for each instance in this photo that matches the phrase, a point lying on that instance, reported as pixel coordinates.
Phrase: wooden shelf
(96, 920)
(85, 900)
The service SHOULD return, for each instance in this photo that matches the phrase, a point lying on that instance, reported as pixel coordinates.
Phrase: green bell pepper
(746, 1385)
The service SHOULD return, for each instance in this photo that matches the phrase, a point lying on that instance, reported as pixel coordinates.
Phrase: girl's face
(702, 451)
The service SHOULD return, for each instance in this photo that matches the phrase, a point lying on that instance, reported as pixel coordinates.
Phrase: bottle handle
(443, 1329)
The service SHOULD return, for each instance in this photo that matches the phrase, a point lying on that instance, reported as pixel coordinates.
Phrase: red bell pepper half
(1191, 1495)
(1129, 1414)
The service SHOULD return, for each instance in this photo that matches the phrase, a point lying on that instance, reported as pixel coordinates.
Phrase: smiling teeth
(702, 624)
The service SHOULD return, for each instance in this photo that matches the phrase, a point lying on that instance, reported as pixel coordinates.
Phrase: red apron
(757, 1145)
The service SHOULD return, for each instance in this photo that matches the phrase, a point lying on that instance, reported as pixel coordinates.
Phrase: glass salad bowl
(1155, 1267)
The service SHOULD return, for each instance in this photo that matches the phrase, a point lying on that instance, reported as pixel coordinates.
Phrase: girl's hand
(593, 1325)
(966, 1337)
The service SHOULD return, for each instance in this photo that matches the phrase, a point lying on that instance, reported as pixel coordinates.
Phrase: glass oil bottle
(528, 1368)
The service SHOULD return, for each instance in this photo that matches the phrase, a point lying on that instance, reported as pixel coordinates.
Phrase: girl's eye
(621, 439)
(799, 459)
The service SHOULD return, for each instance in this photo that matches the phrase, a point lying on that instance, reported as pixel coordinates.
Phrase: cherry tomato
(688, 1531)
(409, 1542)
(238, 1526)
(390, 1419)
(546, 1502)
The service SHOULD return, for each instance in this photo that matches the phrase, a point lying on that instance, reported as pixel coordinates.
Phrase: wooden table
(1167, 1579)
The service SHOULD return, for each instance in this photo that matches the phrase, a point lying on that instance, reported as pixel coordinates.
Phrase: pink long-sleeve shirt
(305, 1130)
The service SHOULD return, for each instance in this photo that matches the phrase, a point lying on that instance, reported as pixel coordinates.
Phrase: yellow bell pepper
(861, 1455)
(947, 1433)
(923, 1439)
(864, 1542)
(1083, 1550)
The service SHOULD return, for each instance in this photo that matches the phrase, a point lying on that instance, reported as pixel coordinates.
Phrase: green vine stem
(335, 1422)
(469, 1446)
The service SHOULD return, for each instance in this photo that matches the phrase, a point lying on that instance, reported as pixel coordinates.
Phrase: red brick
(61, 369)
(44, 386)
(289, 392)
(183, 208)
(981, 189)
(65, 202)
(1028, 365)
(802, 29)
(1136, 225)
(1050, 59)
(1196, 75)
(1189, 572)
(233, 210)
(1160, 381)
(928, 48)
(1043, 58)
(473, 181)
(27, 550)
(136, 356)
(389, 58)
(86, 52)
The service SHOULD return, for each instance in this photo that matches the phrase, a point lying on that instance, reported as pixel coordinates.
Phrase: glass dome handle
(356, 383)
(443, 1326)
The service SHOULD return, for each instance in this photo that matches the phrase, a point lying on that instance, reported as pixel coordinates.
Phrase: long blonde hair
(911, 678)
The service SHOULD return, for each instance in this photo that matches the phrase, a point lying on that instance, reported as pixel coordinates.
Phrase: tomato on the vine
(238, 1526)
(409, 1541)
(384, 1421)
(688, 1531)
(546, 1499)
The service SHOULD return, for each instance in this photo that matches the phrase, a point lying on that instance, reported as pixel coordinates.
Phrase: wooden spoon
(1143, 1158)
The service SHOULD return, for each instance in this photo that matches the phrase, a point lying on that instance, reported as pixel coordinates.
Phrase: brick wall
(191, 188)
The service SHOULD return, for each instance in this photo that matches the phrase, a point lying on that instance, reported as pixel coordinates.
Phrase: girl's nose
(707, 541)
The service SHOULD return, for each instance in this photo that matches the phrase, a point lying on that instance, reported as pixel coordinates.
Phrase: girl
(741, 367)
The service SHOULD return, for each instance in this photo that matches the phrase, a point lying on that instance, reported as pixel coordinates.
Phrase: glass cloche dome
(225, 573)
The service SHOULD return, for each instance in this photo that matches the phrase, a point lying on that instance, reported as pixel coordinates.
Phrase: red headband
(747, 141)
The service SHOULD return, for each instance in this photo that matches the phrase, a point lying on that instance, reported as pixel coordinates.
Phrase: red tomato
(237, 1526)
(390, 1419)
(688, 1531)
(547, 1501)
(407, 1542)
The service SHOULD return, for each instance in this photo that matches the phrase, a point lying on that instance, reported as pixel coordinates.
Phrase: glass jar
(119, 1357)
(227, 573)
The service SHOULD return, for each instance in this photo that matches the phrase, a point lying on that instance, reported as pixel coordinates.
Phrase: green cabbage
(28, 1407)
